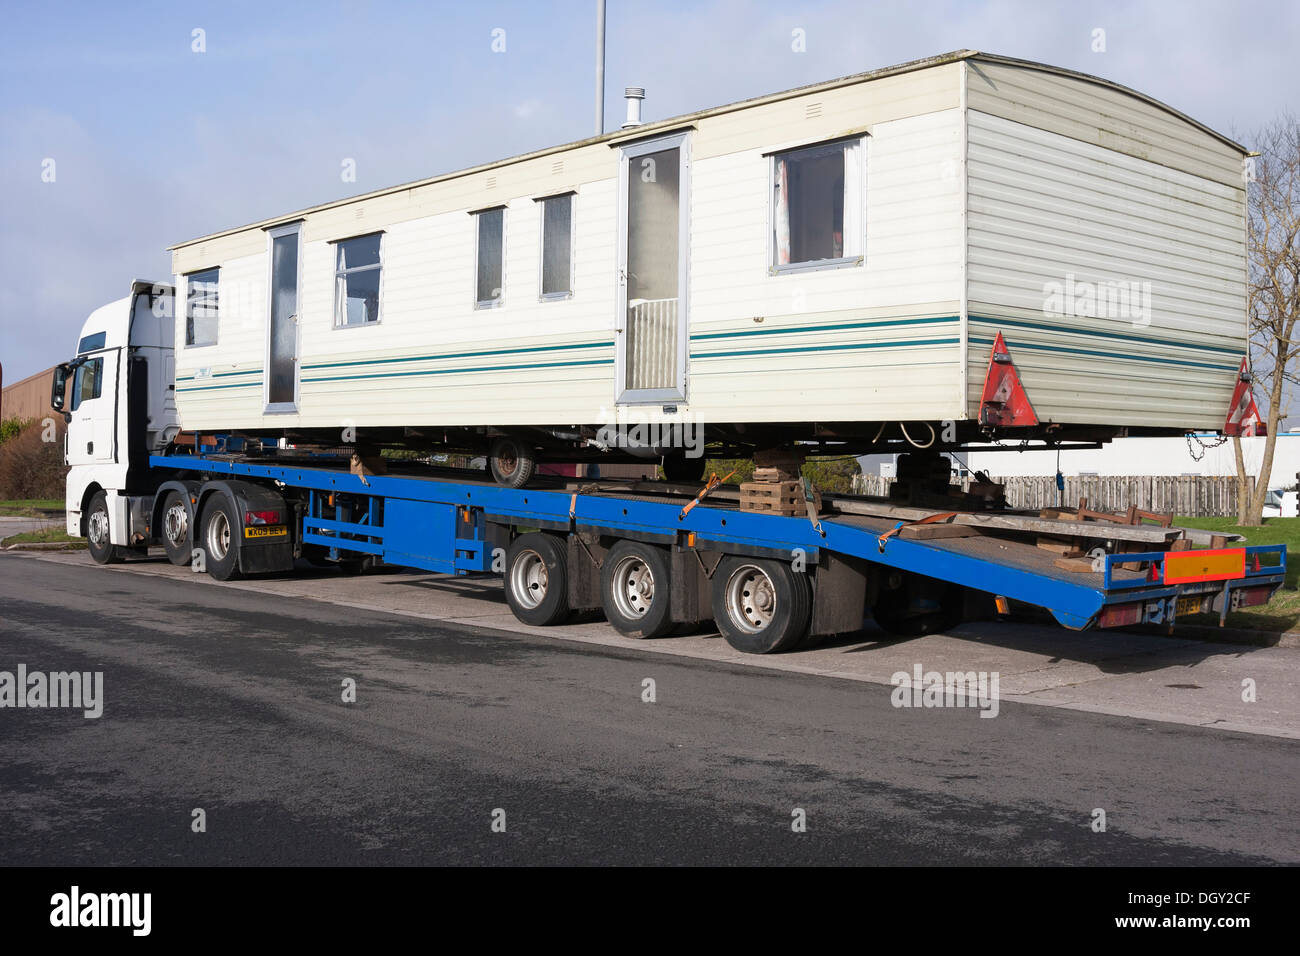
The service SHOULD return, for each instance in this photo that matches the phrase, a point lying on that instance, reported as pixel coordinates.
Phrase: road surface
(230, 701)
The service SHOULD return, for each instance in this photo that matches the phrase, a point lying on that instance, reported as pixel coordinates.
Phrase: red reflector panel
(1120, 615)
(261, 517)
(1252, 597)
(1189, 567)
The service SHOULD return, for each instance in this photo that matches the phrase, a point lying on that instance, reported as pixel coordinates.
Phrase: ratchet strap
(712, 483)
(928, 519)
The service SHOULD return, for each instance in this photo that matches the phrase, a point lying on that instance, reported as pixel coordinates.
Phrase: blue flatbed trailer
(770, 582)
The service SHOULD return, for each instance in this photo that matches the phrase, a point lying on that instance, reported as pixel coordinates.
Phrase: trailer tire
(537, 579)
(635, 590)
(512, 462)
(219, 539)
(761, 606)
(98, 543)
(177, 534)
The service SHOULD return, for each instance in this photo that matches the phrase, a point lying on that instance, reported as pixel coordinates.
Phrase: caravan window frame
(860, 140)
(189, 304)
(500, 300)
(369, 267)
(542, 295)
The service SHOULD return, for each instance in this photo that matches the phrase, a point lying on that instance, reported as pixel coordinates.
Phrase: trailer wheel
(177, 535)
(536, 579)
(512, 462)
(220, 538)
(635, 590)
(761, 606)
(98, 543)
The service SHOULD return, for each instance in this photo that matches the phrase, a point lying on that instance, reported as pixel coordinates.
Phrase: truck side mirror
(59, 386)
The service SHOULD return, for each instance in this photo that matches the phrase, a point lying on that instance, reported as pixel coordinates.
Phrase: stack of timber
(777, 487)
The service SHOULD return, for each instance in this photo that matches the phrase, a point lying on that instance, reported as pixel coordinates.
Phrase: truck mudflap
(1183, 583)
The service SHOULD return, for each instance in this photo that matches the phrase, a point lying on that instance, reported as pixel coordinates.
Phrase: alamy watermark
(77, 690)
(1107, 299)
(923, 688)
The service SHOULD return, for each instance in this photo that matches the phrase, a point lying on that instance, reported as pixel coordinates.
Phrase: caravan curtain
(853, 196)
(782, 213)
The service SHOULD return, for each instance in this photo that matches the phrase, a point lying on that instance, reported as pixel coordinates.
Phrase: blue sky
(154, 143)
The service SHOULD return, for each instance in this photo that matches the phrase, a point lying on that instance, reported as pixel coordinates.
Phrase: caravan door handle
(90, 448)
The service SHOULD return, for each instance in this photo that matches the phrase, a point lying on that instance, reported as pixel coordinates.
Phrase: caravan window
(201, 307)
(87, 381)
(489, 259)
(357, 264)
(817, 206)
(557, 247)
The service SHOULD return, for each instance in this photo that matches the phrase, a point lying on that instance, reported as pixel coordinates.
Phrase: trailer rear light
(261, 517)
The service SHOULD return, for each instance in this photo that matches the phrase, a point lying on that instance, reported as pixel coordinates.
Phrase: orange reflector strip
(690, 540)
(1188, 567)
(1002, 604)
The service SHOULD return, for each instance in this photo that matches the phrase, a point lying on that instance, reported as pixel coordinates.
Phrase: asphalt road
(231, 701)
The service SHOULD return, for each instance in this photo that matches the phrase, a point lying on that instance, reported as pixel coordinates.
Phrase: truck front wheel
(220, 538)
(101, 548)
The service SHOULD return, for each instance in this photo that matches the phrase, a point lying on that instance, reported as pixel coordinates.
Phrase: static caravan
(836, 264)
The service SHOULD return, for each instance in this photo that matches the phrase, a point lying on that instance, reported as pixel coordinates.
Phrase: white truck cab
(118, 399)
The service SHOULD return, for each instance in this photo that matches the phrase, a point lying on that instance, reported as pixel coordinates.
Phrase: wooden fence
(1191, 495)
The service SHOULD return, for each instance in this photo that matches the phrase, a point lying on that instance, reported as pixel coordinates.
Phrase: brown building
(28, 398)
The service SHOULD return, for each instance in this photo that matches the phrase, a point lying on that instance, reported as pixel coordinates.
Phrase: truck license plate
(1188, 605)
(266, 531)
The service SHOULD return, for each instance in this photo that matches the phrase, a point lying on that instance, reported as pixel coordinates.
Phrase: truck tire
(537, 579)
(175, 529)
(219, 537)
(635, 590)
(761, 606)
(512, 462)
(101, 548)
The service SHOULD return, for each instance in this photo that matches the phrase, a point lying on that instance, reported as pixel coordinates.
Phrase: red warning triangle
(1243, 414)
(1004, 403)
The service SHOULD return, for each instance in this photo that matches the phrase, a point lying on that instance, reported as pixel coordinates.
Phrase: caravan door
(651, 323)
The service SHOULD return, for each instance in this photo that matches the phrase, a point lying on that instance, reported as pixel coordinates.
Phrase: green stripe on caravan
(1126, 356)
(1098, 333)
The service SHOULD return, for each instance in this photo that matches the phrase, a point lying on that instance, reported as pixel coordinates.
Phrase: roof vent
(634, 95)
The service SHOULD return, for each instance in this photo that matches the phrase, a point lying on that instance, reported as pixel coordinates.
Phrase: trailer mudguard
(256, 555)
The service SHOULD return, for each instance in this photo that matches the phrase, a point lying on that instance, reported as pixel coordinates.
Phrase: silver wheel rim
(218, 536)
(176, 525)
(97, 528)
(633, 584)
(751, 598)
(529, 579)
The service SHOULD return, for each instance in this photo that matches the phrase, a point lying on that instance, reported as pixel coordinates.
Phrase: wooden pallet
(774, 497)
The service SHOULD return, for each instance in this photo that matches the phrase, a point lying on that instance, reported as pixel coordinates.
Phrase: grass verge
(28, 507)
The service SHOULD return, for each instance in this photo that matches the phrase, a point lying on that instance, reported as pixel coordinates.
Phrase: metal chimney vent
(634, 95)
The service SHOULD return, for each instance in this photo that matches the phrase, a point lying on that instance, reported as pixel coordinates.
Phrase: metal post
(600, 67)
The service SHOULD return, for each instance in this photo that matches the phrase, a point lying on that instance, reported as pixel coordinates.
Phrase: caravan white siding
(878, 340)
(987, 184)
(1106, 243)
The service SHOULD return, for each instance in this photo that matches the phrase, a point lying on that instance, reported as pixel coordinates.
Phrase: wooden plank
(1078, 565)
(998, 522)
